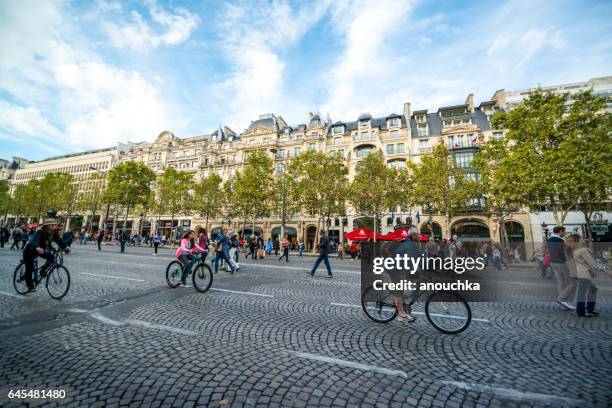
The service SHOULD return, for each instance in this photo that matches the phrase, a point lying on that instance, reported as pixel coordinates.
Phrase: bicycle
(58, 255)
(57, 278)
(201, 274)
(442, 308)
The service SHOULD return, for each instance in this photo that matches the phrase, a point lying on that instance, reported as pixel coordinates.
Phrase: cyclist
(38, 246)
(185, 252)
(410, 248)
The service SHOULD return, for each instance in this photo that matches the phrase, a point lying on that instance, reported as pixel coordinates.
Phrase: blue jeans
(223, 256)
(318, 261)
(301, 254)
(585, 296)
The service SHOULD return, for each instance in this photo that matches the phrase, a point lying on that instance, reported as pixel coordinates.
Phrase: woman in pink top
(185, 252)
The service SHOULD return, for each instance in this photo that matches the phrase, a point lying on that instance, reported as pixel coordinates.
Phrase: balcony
(465, 115)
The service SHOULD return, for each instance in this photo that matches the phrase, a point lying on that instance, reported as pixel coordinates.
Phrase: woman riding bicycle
(185, 252)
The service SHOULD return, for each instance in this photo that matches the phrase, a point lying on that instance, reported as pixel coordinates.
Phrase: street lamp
(283, 208)
(107, 205)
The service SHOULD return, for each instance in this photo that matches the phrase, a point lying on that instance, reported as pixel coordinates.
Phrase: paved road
(273, 336)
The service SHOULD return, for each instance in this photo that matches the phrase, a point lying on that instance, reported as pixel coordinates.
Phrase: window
(364, 135)
(424, 144)
(338, 130)
(390, 149)
(341, 152)
(312, 146)
(423, 130)
(222, 160)
(400, 148)
(394, 134)
(363, 151)
(455, 142)
(472, 139)
(297, 151)
(464, 159)
(194, 164)
(396, 164)
(393, 122)
(498, 135)
(206, 161)
(282, 153)
(364, 123)
(299, 138)
(315, 122)
(472, 176)
(279, 168)
(338, 141)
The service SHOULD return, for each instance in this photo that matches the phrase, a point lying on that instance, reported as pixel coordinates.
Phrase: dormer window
(315, 122)
(364, 123)
(338, 129)
(393, 122)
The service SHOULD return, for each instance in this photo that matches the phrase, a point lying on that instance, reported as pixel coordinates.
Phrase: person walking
(27, 237)
(285, 248)
(276, 246)
(300, 248)
(204, 242)
(556, 249)
(99, 239)
(252, 250)
(341, 250)
(222, 249)
(324, 250)
(582, 268)
(4, 235)
(123, 240)
(16, 238)
(156, 242)
(269, 247)
(234, 244)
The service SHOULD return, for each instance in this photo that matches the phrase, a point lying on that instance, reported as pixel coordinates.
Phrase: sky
(80, 75)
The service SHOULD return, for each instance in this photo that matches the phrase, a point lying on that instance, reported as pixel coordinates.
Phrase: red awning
(32, 225)
(402, 234)
(362, 234)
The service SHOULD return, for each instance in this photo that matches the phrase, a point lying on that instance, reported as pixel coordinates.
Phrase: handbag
(546, 260)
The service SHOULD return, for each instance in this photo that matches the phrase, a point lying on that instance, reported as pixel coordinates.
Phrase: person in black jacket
(4, 236)
(556, 249)
(38, 246)
(324, 250)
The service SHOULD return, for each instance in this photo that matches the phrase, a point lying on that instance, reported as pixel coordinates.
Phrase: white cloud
(253, 38)
(68, 97)
(516, 50)
(138, 34)
(367, 70)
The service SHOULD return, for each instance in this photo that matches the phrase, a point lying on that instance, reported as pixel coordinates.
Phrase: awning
(362, 234)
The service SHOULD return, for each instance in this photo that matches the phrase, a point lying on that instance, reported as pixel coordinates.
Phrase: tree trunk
(172, 230)
(206, 223)
(317, 236)
(375, 227)
(127, 211)
(244, 224)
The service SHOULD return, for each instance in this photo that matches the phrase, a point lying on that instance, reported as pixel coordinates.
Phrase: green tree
(90, 195)
(4, 198)
(317, 183)
(209, 197)
(373, 190)
(253, 188)
(129, 185)
(173, 193)
(440, 185)
(559, 145)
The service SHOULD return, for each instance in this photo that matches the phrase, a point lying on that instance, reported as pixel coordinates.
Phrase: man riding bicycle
(39, 246)
(408, 247)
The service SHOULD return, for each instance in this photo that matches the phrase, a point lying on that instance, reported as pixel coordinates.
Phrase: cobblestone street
(273, 336)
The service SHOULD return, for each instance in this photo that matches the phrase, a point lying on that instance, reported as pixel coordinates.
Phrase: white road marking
(516, 395)
(106, 320)
(351, 364)
(161, 327)
(243, 293)
(112, 277)
(421, 313)
(15, 295)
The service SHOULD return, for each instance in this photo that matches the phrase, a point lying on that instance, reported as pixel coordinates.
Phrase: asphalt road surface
(271, 335)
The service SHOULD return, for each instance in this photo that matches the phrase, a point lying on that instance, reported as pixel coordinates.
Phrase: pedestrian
(234, 244)
(324, 250)
(556, 249)
(276, 246)
(27, 237)
(496, 254)
(156, 242)
(203, 242)
(341, 251)
(583, 269)
(285, 248)
(123, 240)
(269, 247)
(252, 250)
(300, 248)
(68, 237)
(16, 238)
(99, 239)
(4, 235)
(222, 243)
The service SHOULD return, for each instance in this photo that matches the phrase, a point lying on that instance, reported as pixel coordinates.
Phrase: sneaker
(329, 276)
(154, 254)
(31, 290)
(593, 313)
(585, 315)
(406, 318)
(566, 305)
(182, 284)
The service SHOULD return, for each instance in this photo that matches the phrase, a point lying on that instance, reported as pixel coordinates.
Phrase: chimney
(407, 111)
(470, 102)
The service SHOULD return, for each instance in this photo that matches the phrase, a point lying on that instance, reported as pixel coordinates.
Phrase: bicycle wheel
(173, 274)
(19, 282)
(448, 312)
(202, 277)
(59, 258)
(378, 305)
(58, 281)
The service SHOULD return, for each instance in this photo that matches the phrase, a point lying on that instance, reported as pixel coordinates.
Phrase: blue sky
(82, 75)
